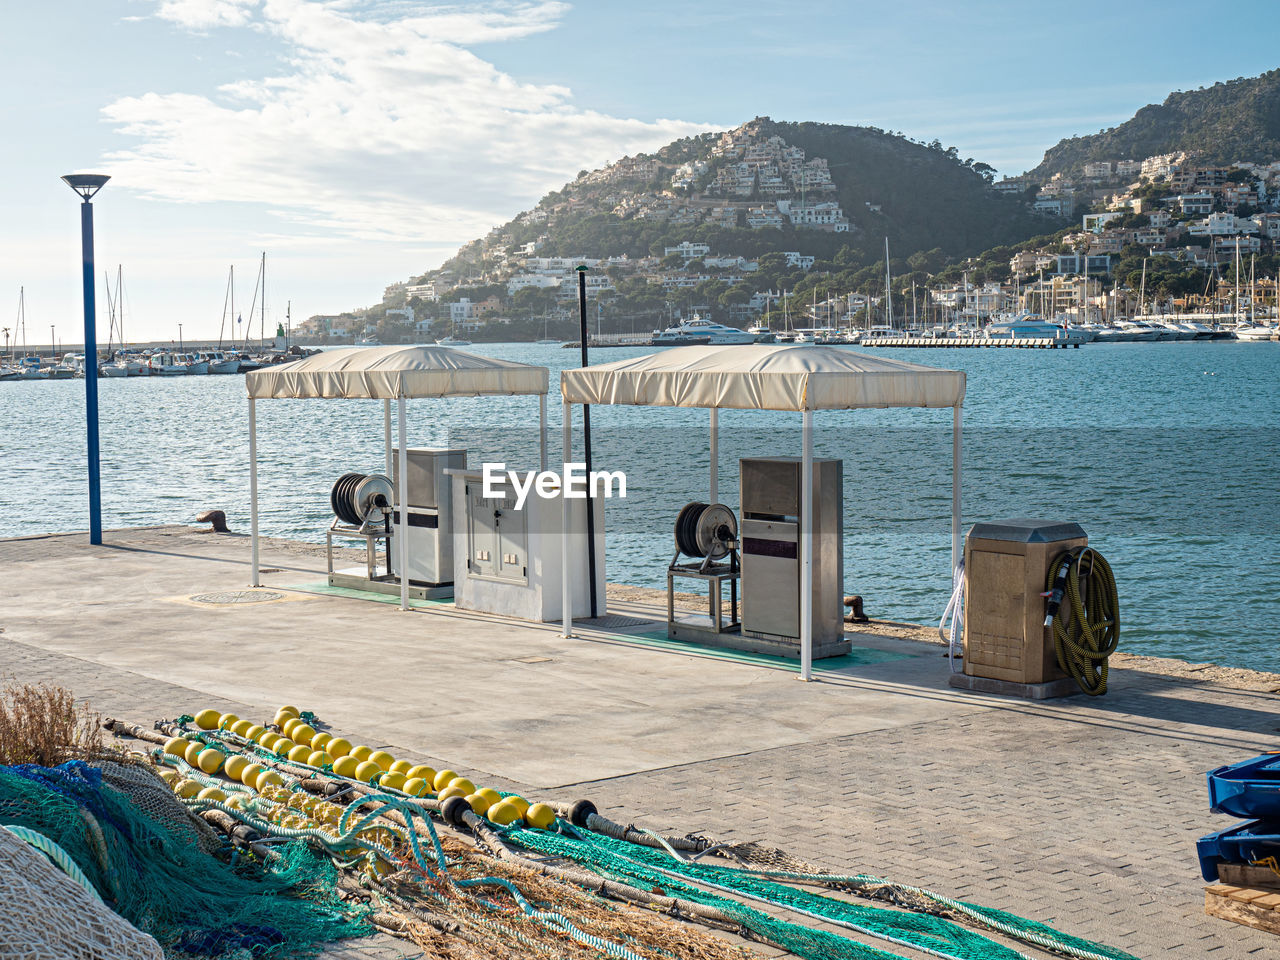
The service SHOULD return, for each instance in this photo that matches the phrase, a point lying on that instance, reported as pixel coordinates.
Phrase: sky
(361, 142)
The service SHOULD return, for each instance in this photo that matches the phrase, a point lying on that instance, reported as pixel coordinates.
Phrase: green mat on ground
(326, 590)
(856, 657)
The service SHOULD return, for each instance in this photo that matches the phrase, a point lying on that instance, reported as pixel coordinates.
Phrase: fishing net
(148, 869)
(48, 916)
(648, 868)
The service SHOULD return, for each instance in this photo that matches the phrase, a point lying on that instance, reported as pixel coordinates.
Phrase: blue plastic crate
(1249, 789)
(1243, 843)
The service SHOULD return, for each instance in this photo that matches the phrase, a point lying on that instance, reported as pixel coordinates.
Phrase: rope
(1084, 609)
(60, 858)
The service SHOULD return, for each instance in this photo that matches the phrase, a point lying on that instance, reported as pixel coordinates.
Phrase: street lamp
(86, 185)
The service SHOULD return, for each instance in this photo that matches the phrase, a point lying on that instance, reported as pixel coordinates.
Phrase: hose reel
(706, 531)
(1083, 609)
(360, 498)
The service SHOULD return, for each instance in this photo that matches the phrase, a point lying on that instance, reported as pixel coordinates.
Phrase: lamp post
(179, 338)
(86, 185)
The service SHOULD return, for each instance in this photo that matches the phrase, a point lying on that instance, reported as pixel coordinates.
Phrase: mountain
(922, 197)
(1218, 125)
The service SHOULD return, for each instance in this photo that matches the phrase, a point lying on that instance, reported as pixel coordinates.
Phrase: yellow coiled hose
(1085, 611)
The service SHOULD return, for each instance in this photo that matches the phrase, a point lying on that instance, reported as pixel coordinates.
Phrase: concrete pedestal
(1065, 687)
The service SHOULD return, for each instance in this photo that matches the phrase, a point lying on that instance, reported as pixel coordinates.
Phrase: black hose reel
(360, 498)
(706, 530)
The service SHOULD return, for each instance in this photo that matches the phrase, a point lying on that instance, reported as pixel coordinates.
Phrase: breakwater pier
(1081, 813)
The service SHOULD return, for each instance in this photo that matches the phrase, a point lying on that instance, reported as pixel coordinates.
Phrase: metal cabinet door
(770, 578)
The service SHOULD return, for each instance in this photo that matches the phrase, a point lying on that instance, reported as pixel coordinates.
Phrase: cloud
(383, 126)
(203, 14)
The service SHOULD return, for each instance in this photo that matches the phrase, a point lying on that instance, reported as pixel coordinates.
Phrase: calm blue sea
(1168, 455)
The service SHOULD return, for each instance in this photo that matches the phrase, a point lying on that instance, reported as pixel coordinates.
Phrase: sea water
(1168, 454)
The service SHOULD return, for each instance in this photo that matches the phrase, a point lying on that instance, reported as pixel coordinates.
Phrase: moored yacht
(1032, 326)
(697, 330)
(166, 365)
(220, 362)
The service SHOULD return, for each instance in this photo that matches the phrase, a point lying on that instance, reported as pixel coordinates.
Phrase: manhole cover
(615, 622)
(238, 596)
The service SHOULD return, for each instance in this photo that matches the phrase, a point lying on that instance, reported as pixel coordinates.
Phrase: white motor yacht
(452, 341)
(1032, 326)
(220, 362)
(695, 330)
(166, 365)
(1255, 332)
(761, 332)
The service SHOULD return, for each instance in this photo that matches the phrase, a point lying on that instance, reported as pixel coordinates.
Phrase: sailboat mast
(888, 289)
(262, 328)
(1142, 290)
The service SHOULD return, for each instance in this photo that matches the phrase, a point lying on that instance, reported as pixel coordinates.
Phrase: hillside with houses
(788, 223)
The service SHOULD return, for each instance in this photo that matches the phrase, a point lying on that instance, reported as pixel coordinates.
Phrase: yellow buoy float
(211, 793)
(226, 720)
(319, 758)
(404, 766)
(540, 815)
(479, 803)
(392, 780)
(462, 783)
(208, 719)
(382, 759)
(235, 765)
(362, 752)
(345, 766)
(366, 770)
(320, 741)
(301, 753)
(186, 789)
(192, 751)
(448, 792)
(176, 746)
(210, 760)
(416, 787)
(338, 747)
(249, 774)
(444, 778)
(503, 813)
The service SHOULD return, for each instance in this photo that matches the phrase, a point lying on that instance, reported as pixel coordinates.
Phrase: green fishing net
(153, 868)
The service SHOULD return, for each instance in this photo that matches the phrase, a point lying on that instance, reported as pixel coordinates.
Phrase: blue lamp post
(87, 185)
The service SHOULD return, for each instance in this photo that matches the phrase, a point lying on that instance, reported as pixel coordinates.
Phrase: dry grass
(42, 723)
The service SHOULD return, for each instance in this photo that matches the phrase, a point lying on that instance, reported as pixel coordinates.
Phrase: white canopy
(388, 373)
(764, 377)
(799, 377)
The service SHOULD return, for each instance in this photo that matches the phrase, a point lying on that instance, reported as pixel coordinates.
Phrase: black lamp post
(86, 185)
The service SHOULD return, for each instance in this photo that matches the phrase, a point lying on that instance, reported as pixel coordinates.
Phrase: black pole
(91, 372)
(586, 443)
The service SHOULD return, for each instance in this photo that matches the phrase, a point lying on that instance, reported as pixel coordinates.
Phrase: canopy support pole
(806, 546)
(955, 486)
(254, 577)
(402, 496)
(715, 455)
(566, 591)
(542, 432)
(386, 433)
